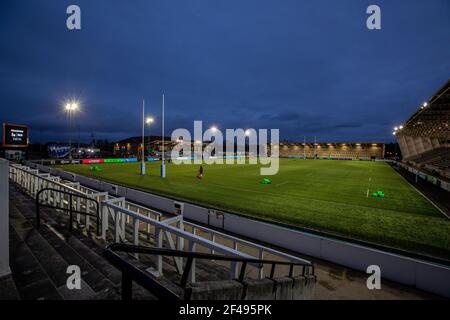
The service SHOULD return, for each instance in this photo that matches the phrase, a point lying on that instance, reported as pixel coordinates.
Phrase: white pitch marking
(280, 184)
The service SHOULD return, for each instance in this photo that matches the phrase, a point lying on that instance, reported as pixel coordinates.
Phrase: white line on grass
(442, 211)
(370, 179)
(280, 184)
(429, 200)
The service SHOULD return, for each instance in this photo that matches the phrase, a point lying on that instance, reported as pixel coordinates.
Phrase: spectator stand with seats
(424, 139)
(332, 150)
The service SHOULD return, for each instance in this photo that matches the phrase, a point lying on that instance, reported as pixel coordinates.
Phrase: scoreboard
(15, 135)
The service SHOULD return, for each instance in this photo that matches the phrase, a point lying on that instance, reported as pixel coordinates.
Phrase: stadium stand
(424, 139)
(132, 147)
(339, 151)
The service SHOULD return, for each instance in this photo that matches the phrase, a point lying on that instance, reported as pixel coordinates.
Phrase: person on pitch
(200, 173)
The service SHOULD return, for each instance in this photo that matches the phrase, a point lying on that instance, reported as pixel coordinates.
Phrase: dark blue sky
(306, 67)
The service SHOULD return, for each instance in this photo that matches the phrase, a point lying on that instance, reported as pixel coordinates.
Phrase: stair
(8, 289)
(40, 257)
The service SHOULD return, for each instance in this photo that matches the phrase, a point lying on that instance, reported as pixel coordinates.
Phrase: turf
(323, 195)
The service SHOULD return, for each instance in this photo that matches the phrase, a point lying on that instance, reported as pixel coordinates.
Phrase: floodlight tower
(163, 166)
(315, 148)
(71, 108)
(149, 121)
(143, 139)
(304, 147)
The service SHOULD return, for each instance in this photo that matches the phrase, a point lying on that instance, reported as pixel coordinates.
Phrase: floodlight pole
(143, 138)
(315, 147)
(304, 147)
(163, 166)
(70, 134)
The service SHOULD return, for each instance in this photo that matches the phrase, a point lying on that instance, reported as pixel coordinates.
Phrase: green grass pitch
(323, 195)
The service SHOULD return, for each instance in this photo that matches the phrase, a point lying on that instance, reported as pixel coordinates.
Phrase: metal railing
(69, 208)
(32, 182)
(130, 272)
(176, 237)
(131, 222)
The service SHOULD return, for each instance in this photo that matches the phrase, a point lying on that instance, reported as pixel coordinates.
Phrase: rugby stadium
(190, 155)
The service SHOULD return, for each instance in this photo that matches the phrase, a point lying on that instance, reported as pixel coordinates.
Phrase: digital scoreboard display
(15, 135)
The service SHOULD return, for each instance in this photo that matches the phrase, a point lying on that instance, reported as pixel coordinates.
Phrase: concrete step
(87, 246)
(30, 279)
(96, 280)
(53, 264)
(8, 289)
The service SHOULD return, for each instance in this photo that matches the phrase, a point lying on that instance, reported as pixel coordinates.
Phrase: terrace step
(30, 279)
(51, 263)
(8, 289)
(90, 248)
(39, 258)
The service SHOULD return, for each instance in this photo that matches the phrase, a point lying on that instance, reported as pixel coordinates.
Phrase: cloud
(260, 64)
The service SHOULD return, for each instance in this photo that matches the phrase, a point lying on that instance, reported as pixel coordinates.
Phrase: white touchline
(428, 199)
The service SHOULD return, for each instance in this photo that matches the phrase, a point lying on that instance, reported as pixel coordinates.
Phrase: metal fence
(129, 222)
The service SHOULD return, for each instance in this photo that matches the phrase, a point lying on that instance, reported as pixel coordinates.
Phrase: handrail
(176, 231)
(246, 242)
(62, 185)
(131, 272)
(70, 209)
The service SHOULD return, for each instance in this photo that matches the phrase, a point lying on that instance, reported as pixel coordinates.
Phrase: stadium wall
(428, 276)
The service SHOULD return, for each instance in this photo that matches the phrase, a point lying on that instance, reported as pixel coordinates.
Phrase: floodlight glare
(247, 132)
(401, 127)
(71, 106)
(396, 128)
(213, 128)
(425, 104)
(149, 120)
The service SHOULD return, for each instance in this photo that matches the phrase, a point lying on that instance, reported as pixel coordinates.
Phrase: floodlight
(71, 106)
